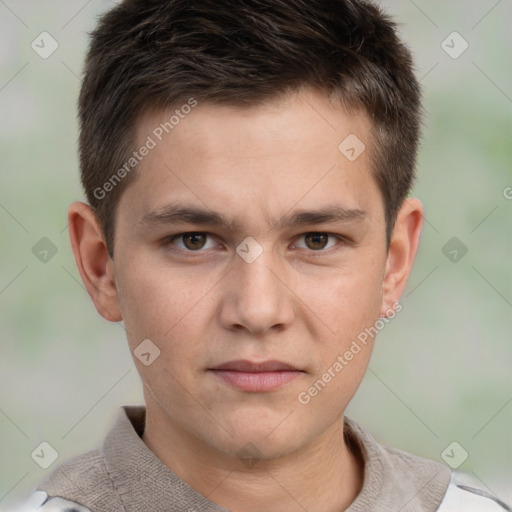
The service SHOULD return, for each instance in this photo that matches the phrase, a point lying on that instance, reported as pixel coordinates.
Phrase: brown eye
(193, 241)
(316, 241)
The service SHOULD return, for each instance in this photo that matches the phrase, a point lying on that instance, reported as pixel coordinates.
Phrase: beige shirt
(124, 475)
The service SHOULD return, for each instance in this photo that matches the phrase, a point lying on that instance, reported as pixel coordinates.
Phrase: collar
(126, 454)
(393, 480)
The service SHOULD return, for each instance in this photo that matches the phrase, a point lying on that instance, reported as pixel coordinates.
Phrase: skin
(300, 301)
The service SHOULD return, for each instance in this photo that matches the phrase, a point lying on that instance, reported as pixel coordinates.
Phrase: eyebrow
(179, 213)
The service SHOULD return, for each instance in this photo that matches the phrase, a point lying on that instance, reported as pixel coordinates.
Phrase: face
(256, 299)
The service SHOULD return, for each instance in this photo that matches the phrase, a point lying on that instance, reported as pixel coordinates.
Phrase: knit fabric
(124, 475)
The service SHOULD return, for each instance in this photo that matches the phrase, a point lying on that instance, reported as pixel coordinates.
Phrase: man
(247, 167)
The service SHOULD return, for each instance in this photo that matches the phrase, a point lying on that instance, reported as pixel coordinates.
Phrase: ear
(402, 251)
(93, 261)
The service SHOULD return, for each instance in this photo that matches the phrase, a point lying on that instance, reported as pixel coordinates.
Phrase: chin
(254, 438)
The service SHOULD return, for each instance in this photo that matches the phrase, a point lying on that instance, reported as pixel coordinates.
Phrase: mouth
(256, 377)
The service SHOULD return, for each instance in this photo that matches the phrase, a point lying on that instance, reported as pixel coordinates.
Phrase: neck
(323, 476)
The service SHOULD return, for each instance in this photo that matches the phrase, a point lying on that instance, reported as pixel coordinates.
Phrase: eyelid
(169, 241)
(323, 251)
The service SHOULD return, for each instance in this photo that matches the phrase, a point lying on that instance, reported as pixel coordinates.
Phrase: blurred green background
(441, 371)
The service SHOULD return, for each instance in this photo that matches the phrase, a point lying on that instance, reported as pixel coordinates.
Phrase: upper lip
(251, 366)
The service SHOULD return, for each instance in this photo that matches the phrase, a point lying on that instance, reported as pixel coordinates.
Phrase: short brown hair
(147, 54)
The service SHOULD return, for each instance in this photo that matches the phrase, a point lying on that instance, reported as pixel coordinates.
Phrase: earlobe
(402, 251)
(93, 261)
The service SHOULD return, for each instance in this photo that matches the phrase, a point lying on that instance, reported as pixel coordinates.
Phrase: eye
(192, 241)
(197, 241)
(318, 241)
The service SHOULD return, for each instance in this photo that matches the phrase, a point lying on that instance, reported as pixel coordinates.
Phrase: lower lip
(256, 381)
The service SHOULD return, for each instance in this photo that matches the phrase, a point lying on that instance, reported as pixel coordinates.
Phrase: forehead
(257, 130)
(298, 150)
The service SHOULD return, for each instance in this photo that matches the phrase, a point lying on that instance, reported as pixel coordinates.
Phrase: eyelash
(168, 243)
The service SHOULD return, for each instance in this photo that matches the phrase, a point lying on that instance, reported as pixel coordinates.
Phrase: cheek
(150, 305)
(347, 307)
(344, 302)
(167, 306)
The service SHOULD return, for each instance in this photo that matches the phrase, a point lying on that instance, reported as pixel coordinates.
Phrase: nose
(256, 296)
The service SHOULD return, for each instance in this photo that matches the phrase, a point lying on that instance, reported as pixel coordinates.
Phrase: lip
(256, 377)
(243, 365)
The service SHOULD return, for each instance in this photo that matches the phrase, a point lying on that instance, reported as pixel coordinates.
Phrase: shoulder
(80, 473)
(395, 479)
(39, 501)
(464, 494)
(80, 484)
